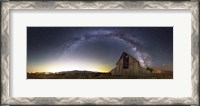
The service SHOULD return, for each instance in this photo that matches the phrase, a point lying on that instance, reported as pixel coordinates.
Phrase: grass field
(93, 75)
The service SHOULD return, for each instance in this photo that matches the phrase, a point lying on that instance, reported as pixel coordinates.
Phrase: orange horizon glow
(59, 67)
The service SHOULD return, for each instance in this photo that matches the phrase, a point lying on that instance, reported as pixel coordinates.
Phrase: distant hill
(79, 71)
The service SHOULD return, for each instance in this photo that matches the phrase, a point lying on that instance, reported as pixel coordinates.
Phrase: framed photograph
(100, 52)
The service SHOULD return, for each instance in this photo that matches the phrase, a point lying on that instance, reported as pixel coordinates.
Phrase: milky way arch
(129, 39)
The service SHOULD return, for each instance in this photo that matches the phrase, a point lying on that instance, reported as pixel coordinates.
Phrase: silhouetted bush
(150, 69)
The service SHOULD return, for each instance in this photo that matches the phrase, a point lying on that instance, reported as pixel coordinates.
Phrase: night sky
(55, 49)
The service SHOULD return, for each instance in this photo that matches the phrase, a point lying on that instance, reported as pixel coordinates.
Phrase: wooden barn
(129, 66)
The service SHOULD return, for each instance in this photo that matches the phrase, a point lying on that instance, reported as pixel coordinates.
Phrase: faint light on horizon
(71, 66)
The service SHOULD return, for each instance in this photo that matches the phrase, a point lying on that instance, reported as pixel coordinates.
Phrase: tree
(150, 69)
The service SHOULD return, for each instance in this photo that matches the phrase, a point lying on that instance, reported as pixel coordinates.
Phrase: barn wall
(133, 70)
(134, 67)
(119, 67)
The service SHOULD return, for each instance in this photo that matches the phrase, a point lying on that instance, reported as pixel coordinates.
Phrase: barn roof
(124, 53)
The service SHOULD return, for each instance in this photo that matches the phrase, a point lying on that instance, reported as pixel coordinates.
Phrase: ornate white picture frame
(7, 6)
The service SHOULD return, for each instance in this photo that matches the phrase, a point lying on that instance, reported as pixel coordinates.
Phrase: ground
(93, 75)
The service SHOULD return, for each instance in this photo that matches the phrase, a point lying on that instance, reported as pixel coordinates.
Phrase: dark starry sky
(97, 48)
